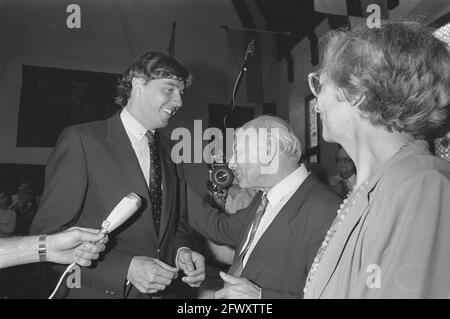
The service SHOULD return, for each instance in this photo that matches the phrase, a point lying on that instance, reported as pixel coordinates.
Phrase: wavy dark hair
(401, 69)
(149, 66)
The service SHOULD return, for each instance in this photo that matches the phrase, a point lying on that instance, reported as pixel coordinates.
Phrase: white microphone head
(124, 210)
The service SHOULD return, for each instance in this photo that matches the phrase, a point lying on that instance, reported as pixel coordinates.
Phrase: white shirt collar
(286, 186)
(133, 126)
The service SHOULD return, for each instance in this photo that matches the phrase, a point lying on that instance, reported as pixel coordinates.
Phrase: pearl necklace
(342, 212)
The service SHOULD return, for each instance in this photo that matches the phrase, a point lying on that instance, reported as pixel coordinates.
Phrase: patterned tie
(155, 178)
(238, 266)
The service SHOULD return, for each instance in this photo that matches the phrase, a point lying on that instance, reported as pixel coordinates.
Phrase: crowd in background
(17, 210)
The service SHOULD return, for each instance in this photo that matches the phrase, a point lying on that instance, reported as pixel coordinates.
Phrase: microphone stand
(248, 54)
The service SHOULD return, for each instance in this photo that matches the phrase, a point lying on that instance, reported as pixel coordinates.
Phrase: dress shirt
(278, 196)
(136, 133)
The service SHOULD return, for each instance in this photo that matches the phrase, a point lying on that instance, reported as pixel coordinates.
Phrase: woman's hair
(149, 66)
(402, 71)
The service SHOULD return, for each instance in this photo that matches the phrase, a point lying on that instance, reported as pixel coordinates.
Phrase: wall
(299, 89)
(427, 11)
(111, 34)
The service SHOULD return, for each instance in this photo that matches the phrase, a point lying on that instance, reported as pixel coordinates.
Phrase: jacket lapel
(337, 245)
(278, 232)
(169, 182)
(329, 262)
(131, 171)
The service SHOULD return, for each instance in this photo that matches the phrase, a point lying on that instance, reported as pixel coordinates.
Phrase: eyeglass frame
(316, 92)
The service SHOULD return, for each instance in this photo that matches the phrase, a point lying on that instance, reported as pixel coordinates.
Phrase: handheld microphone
(120, 214)
(123, 210)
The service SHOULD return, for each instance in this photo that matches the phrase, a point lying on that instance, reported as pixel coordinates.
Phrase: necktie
(238, 266)
(155, 178)
(344, 189)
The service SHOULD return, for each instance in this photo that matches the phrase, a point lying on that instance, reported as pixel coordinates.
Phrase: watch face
(222, 176)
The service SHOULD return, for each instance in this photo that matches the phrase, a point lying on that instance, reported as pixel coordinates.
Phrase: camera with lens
(220, 178)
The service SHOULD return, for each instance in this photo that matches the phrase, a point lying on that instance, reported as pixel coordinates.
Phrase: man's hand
(150, 275)
(193, 266)
(76, 244)
(237, 288)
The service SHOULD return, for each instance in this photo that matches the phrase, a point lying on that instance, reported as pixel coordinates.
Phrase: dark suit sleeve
(66, 182)
(220, 228)
(65, 186)
(186, 235)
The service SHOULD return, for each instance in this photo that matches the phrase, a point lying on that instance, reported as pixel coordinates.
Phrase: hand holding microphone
(76, 244)
(82, 245)
(91, 247)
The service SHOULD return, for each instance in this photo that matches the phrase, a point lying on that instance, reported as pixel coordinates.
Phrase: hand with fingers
(193, 266)
(237, 288)
(76, 244)
(150, 275)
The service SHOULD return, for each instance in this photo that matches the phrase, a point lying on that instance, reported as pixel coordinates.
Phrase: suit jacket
(92, 167)
(281, 259)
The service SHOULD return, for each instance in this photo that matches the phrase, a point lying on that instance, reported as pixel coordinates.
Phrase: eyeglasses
(314, 83)
(315, 86)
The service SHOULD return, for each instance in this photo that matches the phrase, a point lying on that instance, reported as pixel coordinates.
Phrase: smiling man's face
(157, 101)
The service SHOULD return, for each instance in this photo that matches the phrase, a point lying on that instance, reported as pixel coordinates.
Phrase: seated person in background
(345, 180)
(24, 205)
(7, 216)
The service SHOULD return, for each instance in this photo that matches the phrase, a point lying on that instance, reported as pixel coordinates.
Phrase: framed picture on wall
(312, 136)
(52, 99)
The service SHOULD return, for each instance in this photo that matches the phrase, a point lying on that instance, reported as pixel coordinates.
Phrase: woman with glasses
(380, 93)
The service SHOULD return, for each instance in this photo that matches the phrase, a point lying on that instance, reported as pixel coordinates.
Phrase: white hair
(288, 141)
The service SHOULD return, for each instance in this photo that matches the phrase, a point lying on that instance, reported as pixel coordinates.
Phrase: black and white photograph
(224, 149)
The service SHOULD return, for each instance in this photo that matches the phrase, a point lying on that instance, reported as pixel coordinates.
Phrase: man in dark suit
(94, 165)
(278, 235)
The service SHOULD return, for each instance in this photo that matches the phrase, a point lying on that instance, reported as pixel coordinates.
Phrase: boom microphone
(250, 49)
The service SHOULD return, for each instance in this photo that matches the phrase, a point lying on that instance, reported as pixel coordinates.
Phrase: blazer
(92, 167)
(394, 241)
(281, 259)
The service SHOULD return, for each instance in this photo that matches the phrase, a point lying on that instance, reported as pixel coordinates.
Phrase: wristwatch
(42, 248)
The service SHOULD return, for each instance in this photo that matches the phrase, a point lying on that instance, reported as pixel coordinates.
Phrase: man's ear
(270, 148)
(137, 83)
